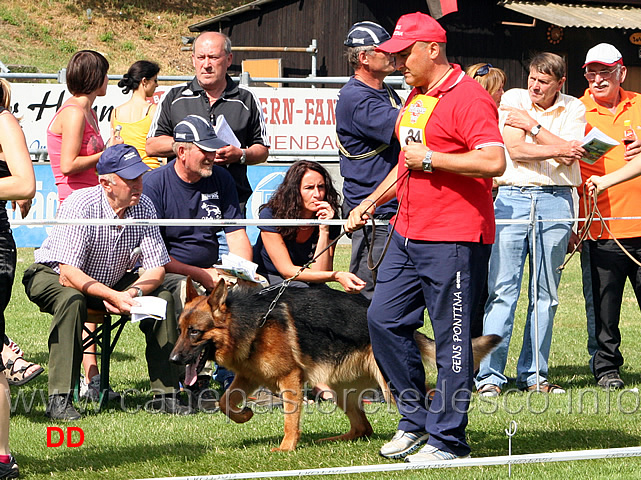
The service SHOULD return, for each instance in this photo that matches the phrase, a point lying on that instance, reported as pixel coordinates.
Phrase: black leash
(371, 264)
(286, 282)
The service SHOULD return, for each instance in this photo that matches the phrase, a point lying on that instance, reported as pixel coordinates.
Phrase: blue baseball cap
(195, 129)
(123, 160)
(364, 34)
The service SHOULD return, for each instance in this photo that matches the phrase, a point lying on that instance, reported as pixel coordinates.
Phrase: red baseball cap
(412, 28)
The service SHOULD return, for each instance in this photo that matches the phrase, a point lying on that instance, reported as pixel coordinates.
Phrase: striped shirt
(105, 253)
(566, 119)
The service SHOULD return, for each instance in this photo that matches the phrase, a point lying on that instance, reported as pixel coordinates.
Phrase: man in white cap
(365, 118)
(608, 106)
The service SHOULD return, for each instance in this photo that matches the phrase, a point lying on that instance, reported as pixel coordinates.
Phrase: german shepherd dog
(315, 335)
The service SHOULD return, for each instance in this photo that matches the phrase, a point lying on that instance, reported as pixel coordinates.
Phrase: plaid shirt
(105, 253)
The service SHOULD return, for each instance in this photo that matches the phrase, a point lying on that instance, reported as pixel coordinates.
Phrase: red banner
(439, 8)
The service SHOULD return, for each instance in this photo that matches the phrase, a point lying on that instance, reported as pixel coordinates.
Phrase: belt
(538, 188)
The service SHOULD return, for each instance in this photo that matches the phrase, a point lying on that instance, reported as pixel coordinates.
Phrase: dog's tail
(481, 346)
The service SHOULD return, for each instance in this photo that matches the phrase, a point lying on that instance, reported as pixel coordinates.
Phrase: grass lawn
(128, 444)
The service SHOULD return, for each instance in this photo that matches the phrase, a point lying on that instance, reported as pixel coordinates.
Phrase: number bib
(413, 119)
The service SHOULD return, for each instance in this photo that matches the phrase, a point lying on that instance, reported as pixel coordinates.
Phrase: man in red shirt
(438, 255)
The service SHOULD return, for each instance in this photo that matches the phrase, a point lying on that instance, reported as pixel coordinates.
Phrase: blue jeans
(513, 244)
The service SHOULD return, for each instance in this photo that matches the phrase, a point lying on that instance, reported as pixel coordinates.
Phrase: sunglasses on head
(484, 70)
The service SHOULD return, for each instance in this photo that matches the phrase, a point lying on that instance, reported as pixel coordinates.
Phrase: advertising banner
(298, 119)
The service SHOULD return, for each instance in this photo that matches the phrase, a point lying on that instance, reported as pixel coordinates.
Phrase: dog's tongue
(190, 375)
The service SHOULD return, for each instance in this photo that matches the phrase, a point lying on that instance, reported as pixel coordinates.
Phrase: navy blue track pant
(447, 279)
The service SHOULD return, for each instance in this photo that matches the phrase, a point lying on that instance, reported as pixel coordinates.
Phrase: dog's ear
(248, 287)
(217, 298)
(191, 289)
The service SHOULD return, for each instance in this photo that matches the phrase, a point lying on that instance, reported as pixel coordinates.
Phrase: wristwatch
(535, 130)
(138, 290)
(427, 162)
(243, 157)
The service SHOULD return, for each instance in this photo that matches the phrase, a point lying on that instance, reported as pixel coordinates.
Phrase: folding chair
(101, 337)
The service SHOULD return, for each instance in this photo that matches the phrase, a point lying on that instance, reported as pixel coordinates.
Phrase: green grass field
(128, 444)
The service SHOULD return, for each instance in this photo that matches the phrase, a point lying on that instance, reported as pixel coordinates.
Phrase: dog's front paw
(241, 416)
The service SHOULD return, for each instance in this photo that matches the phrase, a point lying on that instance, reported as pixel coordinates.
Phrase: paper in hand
(224, 131)
(150, 307)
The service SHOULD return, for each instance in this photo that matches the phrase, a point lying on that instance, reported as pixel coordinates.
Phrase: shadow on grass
(542, 441)
(580, 376)
(111, 457)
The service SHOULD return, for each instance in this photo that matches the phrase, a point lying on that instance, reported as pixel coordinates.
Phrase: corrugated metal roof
(587, 16)
(226, 16)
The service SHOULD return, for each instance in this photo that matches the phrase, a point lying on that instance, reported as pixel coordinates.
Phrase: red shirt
(442, 206)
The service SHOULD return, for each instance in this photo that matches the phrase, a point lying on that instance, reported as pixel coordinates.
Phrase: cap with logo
(412, 28)
(195, 129)
(605, 54)
(123, 160)
(365, 34)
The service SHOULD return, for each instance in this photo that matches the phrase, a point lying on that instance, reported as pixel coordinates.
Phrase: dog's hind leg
(350, 401)
(291, 389)
(234, 396)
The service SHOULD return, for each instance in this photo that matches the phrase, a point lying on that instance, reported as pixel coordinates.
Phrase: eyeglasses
(484, 70)
(604, 74)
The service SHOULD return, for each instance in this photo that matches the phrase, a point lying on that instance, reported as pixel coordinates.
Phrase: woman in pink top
(74, 143)
(74, 146)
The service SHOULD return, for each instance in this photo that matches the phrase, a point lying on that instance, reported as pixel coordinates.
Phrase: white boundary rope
(567, 456)
(253, 222)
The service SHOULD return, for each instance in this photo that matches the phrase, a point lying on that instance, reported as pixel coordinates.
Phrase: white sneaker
(91, 390)
(430, 453)
(402, 444)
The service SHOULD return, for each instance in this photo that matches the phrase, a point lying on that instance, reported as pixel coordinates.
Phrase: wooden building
(504, 33)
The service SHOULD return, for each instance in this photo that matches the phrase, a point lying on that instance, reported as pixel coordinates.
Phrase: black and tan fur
(314, 335)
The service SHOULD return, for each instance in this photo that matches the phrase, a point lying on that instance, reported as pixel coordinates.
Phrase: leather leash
(590, 204)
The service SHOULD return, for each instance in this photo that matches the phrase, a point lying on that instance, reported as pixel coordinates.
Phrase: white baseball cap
(605, 54)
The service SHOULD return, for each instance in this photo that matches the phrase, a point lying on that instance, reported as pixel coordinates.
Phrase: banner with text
(299, 119)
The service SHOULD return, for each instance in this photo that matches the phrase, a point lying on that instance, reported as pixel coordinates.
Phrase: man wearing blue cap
(365, 117)
(192, 186)
(93, 266)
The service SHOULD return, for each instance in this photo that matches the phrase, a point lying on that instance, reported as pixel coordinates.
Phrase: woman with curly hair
(306, 192)
(135, 115)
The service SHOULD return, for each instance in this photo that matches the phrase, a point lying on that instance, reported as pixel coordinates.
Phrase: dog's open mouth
(193, 369)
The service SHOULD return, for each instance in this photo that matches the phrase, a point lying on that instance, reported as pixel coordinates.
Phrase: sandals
(18, 376)
(545, 387)
(489, 390)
